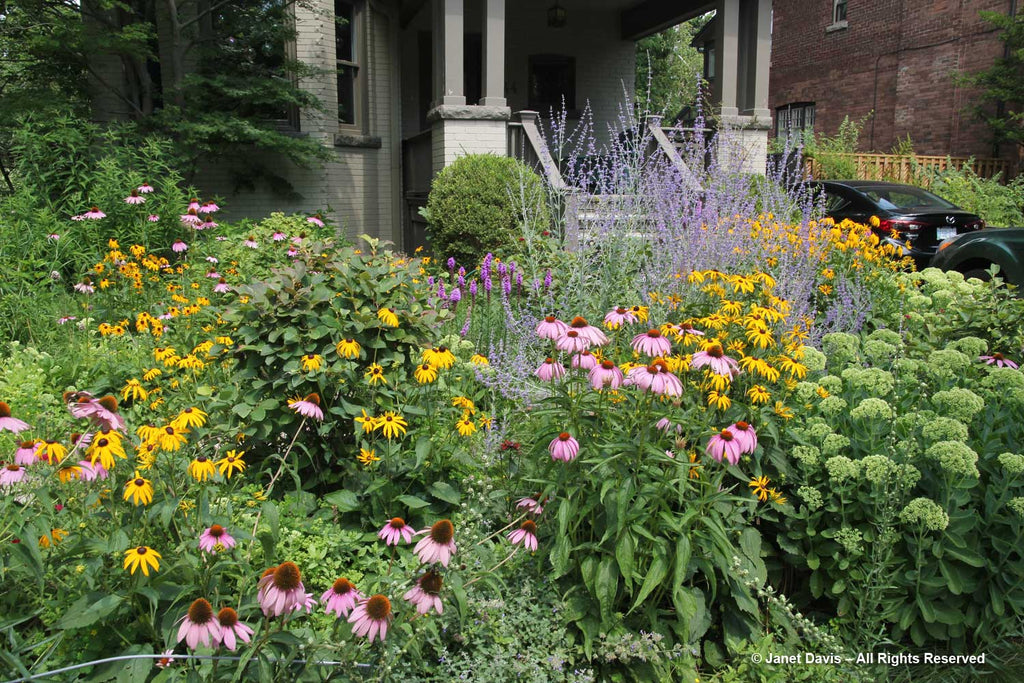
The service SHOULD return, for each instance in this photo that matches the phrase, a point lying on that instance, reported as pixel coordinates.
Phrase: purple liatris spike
(472, 289)
(487, 285)
(451, 263)
(462, 271)
(430, 281)
(502, 270)
(441, 294)
(547, 279)
(519, 281)
(456, 296)
(465, 328)
(506, 286)
(461, 280)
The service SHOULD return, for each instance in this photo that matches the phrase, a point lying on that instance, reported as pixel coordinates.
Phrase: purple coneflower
(213, 259)
(251, 242)
(134, 198)
(292, 252)
(525, 534)
(532, 506)
(724, 444)
(584, 360)
(166, 659)
(53, 237)
(179, 247)
(371, 617)
(308, 407)
(666, 425)
(93, 214)
(191, 218)
(8, 423)
(85, 287)
(306, 602)
(231, 629)
(550, 327)
(341, 597)
(207, 224)
(588, 331)
(396, 530)
(281, 589)
(715, 357)
(64, 319)
(199, 626)
(278, 236)
(91, 472)
(549, 370)
(213, 274)
(208, 207)
(193, 205)
(572, 341)
(216, 536)
(563, 447)
(222, 286)
(999, 360)
(315, 220)
(26, 454)
(144, 188)
(743, 433)
(11, 474)
(438, 545)
(152, 218)
(652, 343)
(619, 316)
(606, 374)
(425, 594)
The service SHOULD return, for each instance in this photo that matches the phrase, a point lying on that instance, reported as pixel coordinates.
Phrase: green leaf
(606, 586)
(624, 556)
(560, 556)
(273, 518)
(85, 612)
(682, 562)
(412, 502)
(446, 492)
(655, 575)
(344, 500)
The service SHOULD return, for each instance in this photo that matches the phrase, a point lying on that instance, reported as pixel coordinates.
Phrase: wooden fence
(913, 169)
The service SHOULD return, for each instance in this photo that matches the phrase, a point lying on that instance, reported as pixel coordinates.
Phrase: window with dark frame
(552, 81)
(347, 49)
(709, 60)
(794, 120)
(838, 11)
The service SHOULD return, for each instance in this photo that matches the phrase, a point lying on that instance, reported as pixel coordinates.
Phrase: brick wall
(898, 58)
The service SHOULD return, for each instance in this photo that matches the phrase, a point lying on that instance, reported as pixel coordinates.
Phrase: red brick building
(896, 58)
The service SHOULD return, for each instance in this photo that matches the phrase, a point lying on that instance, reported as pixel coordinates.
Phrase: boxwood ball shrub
(480, 203)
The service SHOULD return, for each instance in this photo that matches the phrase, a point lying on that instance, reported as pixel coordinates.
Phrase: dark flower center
(549, 361)
(742, 426)
(269, 571)
(654, 333)
(216, 531)
(442, 349)
(620, 310)
(715, 351)
(314, 399)
(201, 612)
(342, 587)
(201, 459)
(997, 356)
(14, 468)
(397, 523)
(141, 550)
(110, 403)
(169, 430)
(431, 583)
(287, 576)
(378, 608)
(607, 365)
(442, 532)
(227, 617)
(564, 436)
(549, 318)
(572, 334)
(579, 322)
(140, 482)
(102, 443)
(529, 527)
(5, 410)
(726, 435)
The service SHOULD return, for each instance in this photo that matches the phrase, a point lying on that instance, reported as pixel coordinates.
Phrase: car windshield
(904, 197)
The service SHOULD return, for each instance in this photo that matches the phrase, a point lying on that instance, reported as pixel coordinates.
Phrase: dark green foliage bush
(480, 203)
(1000, 205)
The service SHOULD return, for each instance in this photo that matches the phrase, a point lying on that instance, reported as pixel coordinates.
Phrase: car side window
(835, 202)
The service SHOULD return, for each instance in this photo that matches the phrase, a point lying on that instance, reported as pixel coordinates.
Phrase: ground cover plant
(724, 429)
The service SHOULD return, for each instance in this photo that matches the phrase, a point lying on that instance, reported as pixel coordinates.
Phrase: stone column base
(471, 129)
(743, 143)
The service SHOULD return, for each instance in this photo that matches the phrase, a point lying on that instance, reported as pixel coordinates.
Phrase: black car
(921, 218)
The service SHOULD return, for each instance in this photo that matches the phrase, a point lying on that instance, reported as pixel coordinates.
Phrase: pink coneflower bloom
(715, 357)
(221, 238)
(152, 218)
(641, 376)
(572, 341)
(193, 205)
(425, 594)
(588, 331)
(251, 243)
(191, 218)
(25, 454)
(299, 239)
(179, 247)
(551, 328)
(216, 536)
(666, 425)
(292, 252)
(8, 423)
(999, 360)
(278, 236)
(281, 589)
(134, 198)
(724, 444)
(563, 447)
(213, 274)
(231, 629)
(619, 316)
(144, 188)
(549, 370)
(94, 214)
(79, 217)
(199, 625)
(80, 440)
(341, 598)
(308, 407)
(395, 531)
(371, 617)
(607, 374)
(683, 330)
(525, 534)
(221, 286)
(66, 319)
(208, 207)
(53, 237)
(166, 659)
(213, 259)
(315, 220)
(85, 287)
(103, 411)
(531, 505)
(438, 545)
(87, 471)
(584, 360)
(666, 383)
(652, 343)
(11, 474)
(743, 433)
(307, 602)
(207, 224)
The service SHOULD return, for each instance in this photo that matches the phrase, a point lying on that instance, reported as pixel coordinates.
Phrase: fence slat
(900, 168)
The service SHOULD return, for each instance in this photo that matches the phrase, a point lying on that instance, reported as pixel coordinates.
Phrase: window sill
(357, 140)
(838, 26)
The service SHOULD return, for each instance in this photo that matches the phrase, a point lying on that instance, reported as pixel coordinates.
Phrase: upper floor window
(794, 120)
(349, 57)
(838, 11)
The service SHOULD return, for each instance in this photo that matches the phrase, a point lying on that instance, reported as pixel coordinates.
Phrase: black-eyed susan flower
(440, 357)
(464, 403)
(348, 348)
(392, 424)
(367, 456)
(201, 468)
(486, 422)
(760, 488)
(142, 557)
(312, 362)
(51, 451)
(230, 463)
(782, 411)
(148, 432)
(53, 538)
(188, 418)
(190, 362)
(777, 497)
(388, 317)
(375, 374)
(104, 448)
(719, 400)
(138, 490)
(66, 474)
(479, 359)
(171, 439)
(151, 373)
(425, 373)
(795, 369)
(367, 423)
(465, 426)
(161, 353)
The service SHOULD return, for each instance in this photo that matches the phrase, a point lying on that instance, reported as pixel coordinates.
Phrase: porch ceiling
(641, 19)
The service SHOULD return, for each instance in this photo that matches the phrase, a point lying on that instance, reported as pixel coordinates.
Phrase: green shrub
(480, 203)
(997, 203)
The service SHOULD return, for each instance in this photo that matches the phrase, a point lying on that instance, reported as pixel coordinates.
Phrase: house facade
(892, 61)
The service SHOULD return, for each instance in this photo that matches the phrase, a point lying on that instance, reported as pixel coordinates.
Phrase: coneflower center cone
(431, 583)
(726, 435)
(227, 617)
(314, 399)
(216, 531)
(995, 356)
(378, 608)
(13, 468)
(442, 532)
(529, 527)
(397, 523)
(579, 322)
(715, 351)
(342, 586)
(653, 333)
(5, 410)
(110, 403)
(564, 436)
(287, 576)
(742, 426)
(607, 364)
(200, 612)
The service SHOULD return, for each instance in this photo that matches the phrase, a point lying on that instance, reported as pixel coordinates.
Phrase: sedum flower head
(954, 457)
(872, 410)
(970, 346)
(999, 380)
(1017, 505)
(909, 476)
(874, 381)
(840, 348)
(807, 456)
(947, 364)
(886, 336)
(924, 513)
(946, 429)
(833, 444)
(851, 540)
(841, 469)
(811, 496)
(962, 404)
(878, 469)
(814, 359)
(831, 384)
(1013, 463)
(880, 352)
(819, 431)
(832, 406)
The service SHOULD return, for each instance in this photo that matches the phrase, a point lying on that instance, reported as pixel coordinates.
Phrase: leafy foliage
(1002, 84)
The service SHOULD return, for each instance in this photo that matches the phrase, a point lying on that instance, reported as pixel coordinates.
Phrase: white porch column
(449, 23)
(762, 59)
(727, 28)
(494, 54)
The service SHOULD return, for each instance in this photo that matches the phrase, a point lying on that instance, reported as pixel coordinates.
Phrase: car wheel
(982, 275)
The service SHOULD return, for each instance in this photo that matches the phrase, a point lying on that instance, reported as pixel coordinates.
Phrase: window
(795, 119)
(709, 61)
(552, 83)
(348, 53)
(838, 11)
